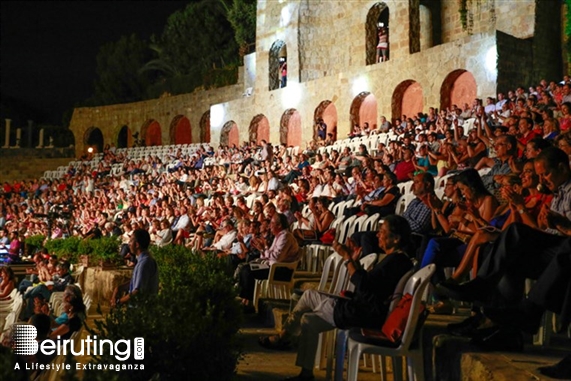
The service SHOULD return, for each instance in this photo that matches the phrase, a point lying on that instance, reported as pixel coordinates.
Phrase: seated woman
(367, 306)
(75, 310)
(477, 211)
(524, 205)
(7, 282)
(386, 203)
(322, 219)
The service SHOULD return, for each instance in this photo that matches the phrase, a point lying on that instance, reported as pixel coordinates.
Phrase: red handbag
(396, 321)
(328, 237)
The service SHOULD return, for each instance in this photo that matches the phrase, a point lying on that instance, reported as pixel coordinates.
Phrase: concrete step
(507, 366)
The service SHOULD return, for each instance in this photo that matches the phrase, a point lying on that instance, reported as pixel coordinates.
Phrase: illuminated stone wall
(326, 55)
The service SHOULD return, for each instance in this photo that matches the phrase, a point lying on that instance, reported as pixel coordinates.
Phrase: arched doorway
(180, 131)
(377, 25)
(151, 133)
(459, 87)
(278, 65)
(259, 129)
(205, 127)
(290, 128)
(364, 110)
(93, 137)
(328, 112)
(407, 99)
(229, 135)
(124, 138)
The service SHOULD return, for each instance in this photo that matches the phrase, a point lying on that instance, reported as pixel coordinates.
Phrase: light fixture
(90, 150)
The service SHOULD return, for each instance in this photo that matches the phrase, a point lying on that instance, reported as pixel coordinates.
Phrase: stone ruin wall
(326, 52)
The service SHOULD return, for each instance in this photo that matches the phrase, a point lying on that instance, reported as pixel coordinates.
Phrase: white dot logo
(25, 340)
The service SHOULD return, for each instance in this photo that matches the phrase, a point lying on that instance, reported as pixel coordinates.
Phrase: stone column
(18, 137)
(30, 128)
(7, 140)
(41, 139)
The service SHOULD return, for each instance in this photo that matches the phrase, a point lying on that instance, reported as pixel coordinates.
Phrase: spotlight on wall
(216, 115)
(285, 16)
(360, 84)
(291, 95)
(491, 63)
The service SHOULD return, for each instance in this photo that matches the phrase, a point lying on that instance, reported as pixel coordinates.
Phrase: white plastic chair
(357, 345)
(327, 339)
(273, 288)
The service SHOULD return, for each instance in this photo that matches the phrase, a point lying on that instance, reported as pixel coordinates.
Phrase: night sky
(48, 49)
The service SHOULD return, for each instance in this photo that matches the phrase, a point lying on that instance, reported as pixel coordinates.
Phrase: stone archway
(180, 131)
(229, 135)
(151, 133)
(328, 112)
(259, 129)
(378, 14)
(407, 99)
(458, 87)
(205, 127)
(124, 138)
(93, 137)
(290, 128)
(278, 55)
(364, 109)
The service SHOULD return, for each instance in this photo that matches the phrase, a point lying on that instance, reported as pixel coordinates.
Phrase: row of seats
(132, 153)
(9, 311)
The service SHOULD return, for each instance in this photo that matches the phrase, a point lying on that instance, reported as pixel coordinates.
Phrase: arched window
(278, 65)
(93, 137)
(459, 87)
(326, 113)
(124, 138)
(364, 110)
(377, 34)
(290, 128)
(205, 127)
(259, 129)
(230, 135)
(180, 130)
(151, 133)
(407, 99)
(430, 23)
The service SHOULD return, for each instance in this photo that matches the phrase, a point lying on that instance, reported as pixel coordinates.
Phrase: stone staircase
(27, 168)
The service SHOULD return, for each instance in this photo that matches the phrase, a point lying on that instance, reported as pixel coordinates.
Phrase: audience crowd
(507, 178)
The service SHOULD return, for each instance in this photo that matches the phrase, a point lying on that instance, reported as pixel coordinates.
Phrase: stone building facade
(438, 55)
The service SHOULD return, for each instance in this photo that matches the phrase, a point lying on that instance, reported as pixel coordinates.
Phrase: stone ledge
(506, 366)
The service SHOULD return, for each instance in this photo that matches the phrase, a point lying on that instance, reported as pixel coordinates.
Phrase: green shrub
(65, 248)
(190, 328)
(105, 249)
(36, 241)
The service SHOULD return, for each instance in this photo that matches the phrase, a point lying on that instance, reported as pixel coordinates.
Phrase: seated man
(367, 306)
(284, 248)
(418, 213)
(223, 238)
(523, 252)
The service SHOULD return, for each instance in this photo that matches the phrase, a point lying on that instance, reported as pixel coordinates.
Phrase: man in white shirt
(490, 106)
(224, 237)
(501, 100)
